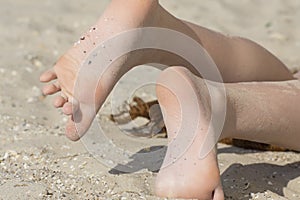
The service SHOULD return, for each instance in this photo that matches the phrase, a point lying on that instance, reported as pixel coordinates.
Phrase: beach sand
(38, 162)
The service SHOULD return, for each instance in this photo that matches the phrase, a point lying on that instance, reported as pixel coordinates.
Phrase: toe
(80, 121)
(70, 107)
(71, 130)
(67, 108)
(48, 76)
(59, 101)
(51, 89)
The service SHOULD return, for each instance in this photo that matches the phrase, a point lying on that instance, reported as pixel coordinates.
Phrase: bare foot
(115, 19)
(184, 174)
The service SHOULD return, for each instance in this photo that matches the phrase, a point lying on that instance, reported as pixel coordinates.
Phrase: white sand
(38, 162)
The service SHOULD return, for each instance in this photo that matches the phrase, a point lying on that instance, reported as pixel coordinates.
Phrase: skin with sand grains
(176, 180)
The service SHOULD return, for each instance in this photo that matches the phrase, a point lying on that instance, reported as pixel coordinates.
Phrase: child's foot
(184, 174)
(136, 14)
(115, 19)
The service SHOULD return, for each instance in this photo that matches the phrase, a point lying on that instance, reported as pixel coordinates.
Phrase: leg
(137, 13)
(267, 112)
(240, 59)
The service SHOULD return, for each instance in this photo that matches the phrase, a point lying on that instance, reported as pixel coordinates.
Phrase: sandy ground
(38, 162)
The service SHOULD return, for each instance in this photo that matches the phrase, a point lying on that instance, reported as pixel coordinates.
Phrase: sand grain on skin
(38, 162)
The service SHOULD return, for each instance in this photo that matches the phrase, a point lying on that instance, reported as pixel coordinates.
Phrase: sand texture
(38, 162)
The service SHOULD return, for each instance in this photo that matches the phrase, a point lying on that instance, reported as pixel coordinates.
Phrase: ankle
(218, 104)
(229, 129)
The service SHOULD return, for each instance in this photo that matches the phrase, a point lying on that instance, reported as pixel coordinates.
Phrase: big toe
(71, 130)
(80, 121)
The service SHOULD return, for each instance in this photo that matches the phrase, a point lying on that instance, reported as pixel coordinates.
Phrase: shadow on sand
(238, 180)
